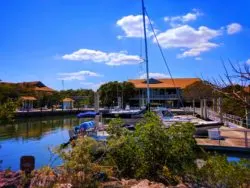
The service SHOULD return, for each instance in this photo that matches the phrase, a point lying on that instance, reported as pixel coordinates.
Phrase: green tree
(197, 90)
(110, 91)
(7, 110)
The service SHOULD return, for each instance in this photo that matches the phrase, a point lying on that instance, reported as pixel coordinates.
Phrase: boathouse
(27, 102)
(163, 92)
(68, 103)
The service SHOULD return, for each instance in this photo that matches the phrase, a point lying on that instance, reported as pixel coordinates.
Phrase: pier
(235, 136)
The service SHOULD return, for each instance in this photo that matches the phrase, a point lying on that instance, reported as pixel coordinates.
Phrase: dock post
(247, 118)
(193, 107)
(214, 104)
(97, 117)
(205, 108)
(219, 109)
(246, 139)
(201, 108)
(96, 102)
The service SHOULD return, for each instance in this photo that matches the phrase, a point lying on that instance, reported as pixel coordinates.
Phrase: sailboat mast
(146, 53)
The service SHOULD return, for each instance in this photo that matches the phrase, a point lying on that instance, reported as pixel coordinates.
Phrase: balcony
(158, 97)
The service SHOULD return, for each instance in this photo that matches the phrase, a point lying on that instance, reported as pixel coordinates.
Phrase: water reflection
(33, 137)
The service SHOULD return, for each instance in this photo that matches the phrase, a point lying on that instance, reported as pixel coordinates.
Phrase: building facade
(163, 92)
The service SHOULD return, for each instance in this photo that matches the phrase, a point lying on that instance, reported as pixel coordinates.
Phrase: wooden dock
(233, 139)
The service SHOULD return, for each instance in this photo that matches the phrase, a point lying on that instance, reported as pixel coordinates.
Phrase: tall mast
(146, 53)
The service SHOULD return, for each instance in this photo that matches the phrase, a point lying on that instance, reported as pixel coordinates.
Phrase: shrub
(218, 172)
(7, 110)
(152, 151)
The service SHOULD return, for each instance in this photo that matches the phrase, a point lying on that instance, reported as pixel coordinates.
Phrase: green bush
(7, 111)
(218, 172)
(152, 151)
(80, 163)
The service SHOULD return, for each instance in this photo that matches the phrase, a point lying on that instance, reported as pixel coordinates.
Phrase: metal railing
(158, 97)
(228, 119)
(230, 137)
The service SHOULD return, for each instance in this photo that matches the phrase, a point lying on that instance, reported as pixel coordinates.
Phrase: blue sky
(89, 42)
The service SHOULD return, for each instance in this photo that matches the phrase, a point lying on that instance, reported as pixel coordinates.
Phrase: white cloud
(154, 75)
(91, 85)
(233, 28)
(81, 75)
(175, 21)
(194, 41)
(112, 59)
(132, 26)
(248, 62)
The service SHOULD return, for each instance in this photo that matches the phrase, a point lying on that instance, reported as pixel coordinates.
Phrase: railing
(230, 137)
(158, 97)
(51, 110)
(228, 119)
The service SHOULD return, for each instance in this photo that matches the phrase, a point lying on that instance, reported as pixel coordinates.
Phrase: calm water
(36, 136)
(33, 137)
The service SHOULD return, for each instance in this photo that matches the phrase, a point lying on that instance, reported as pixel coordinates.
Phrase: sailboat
(91, 127)
(138, 112)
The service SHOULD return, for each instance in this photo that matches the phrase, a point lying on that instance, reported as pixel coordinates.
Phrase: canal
(38, 136)
(35, 137)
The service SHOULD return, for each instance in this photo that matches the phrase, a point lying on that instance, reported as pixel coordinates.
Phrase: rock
(10, 179)
(63, 185)
(142, 184)
(112, 184)
(129, 183)
(181, 185)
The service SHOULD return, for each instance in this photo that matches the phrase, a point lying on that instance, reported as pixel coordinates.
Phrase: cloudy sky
(88, 42)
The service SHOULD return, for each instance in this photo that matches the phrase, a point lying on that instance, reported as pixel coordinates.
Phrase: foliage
(80, 163)
(231, 106)
(197, 90)
(109, 91)
(115, 128)
(151, 150)
(218, 172)
(7, 110)
(15, 91)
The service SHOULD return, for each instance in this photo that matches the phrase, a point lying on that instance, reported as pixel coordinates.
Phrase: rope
(164, 59)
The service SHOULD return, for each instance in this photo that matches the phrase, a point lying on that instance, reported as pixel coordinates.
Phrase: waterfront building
(68, 103)
(27, 102)
(163, 92)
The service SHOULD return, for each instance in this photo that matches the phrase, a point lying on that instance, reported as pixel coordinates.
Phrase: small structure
(27, 102)
(68, 103)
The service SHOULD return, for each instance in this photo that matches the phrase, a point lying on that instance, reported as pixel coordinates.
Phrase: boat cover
(87, 114)
(85, 125)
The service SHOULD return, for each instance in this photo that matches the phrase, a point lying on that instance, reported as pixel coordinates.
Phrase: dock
(234, 139)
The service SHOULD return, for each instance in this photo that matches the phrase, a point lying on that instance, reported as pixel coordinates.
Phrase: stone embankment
(16, 179)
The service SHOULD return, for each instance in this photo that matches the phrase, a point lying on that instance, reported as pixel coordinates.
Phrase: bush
(80, 164)
(218, 172)
(7, 111)
(152, 151)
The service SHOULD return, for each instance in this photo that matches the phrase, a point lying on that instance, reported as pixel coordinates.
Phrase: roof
(28, 98)
(35, 85)
(47, 89)
(68, 100)
(164, 82)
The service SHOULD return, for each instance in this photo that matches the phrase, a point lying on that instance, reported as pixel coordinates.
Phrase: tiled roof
(47, 89)
(36, 85)
(165, 83)
(28, 98)
(68, 100)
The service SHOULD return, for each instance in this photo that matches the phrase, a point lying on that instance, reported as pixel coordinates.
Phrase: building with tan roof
(163, 92)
